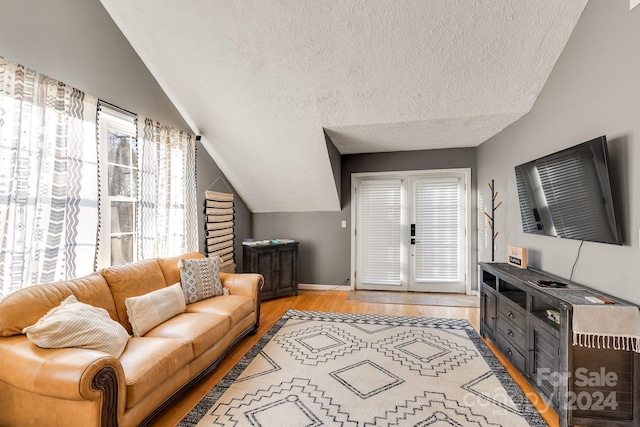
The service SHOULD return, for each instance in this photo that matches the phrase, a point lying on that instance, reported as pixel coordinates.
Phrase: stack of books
(553, 315)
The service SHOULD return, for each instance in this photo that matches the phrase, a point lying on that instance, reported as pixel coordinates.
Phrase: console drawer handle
(510, 333)
(510, 314)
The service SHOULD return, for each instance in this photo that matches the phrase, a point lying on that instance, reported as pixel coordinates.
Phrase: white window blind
(438, 229)
(380, 231)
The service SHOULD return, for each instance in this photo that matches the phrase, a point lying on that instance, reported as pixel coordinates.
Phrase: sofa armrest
(248, 284)
(65, 373)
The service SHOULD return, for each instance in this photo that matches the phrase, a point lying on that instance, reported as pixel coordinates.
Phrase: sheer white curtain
(48, 179)
(168, 218)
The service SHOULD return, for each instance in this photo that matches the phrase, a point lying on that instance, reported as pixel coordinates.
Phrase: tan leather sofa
(79, 387)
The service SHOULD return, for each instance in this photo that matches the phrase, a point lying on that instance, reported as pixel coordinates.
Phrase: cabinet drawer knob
(509, 352)
(510, 314)
(510, 333)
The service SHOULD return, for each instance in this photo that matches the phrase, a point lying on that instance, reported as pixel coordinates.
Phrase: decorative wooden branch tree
(492, 219)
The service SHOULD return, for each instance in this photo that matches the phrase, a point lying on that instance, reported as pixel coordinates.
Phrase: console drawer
(511, 333)
(512, 314)
(512, 353)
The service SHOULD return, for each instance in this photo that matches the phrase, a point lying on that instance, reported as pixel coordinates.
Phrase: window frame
(109, 120)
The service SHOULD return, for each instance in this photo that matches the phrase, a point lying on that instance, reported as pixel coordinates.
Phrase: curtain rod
(115, 107)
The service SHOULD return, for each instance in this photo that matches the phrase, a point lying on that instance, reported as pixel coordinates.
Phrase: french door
(410, 231)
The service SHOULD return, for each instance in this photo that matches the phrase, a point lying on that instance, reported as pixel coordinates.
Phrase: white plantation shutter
(438, 229)
(380, 231)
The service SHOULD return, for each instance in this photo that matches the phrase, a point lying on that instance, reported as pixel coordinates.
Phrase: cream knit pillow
(76, 324)
(149, 310)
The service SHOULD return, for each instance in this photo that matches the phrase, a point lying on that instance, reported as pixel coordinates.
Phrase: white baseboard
(315, 287)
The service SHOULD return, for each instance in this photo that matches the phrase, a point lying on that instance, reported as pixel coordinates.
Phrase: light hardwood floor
(335, 301)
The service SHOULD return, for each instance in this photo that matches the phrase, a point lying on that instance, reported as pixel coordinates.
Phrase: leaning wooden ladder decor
(219, 228)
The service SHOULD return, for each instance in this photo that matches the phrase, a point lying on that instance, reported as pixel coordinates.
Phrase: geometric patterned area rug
(359, 370)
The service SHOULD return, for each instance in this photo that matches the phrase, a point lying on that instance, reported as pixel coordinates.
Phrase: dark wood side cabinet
(571, 379)
(278, 263)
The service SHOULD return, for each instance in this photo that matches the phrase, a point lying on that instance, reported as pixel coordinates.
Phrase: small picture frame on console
(517, 256)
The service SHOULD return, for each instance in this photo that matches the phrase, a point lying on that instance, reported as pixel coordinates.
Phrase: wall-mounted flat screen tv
(568, 194)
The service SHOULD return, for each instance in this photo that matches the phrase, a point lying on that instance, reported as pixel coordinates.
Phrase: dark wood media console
(278, 263)
(585, 386)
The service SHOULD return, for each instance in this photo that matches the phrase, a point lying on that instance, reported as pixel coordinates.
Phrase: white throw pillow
(76, 324)
(200, 278)
(148, 311)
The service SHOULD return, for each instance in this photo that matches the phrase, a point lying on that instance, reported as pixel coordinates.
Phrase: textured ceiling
(261, 80)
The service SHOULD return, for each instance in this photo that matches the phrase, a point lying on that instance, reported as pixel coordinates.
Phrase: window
(67, 207)
(118, 157)
(148, 201)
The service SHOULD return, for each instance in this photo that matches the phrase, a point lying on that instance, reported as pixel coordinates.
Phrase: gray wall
(76, 42)
(325, 247)
(323, 256)
(211, 178)
(593, 90)
(336, 163)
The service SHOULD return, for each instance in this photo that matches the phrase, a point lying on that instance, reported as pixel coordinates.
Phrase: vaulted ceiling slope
(262, 80)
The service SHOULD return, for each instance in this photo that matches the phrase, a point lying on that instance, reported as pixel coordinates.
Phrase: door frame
(466, 172)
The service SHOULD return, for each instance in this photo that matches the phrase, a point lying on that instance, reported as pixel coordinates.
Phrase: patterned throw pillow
(200, 278)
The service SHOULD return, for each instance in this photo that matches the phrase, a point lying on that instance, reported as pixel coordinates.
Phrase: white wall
(593, 90)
